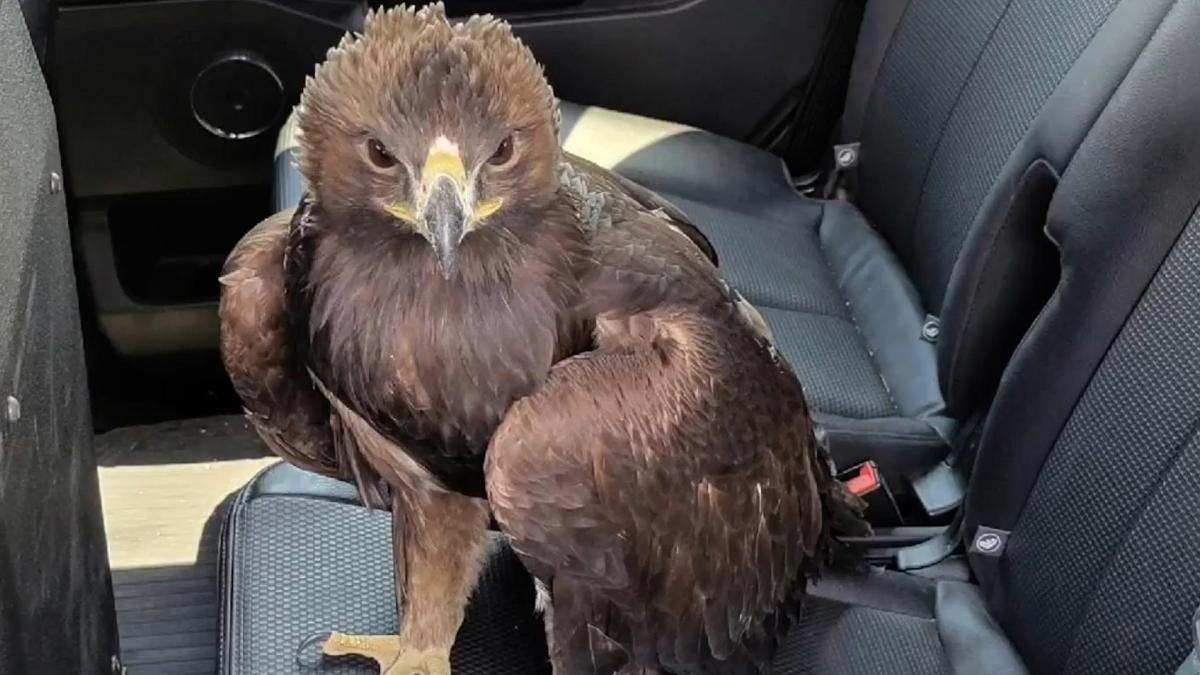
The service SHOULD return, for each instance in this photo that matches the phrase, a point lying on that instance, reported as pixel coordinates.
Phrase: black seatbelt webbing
(818, 113)
(879, 23)
(960, 463)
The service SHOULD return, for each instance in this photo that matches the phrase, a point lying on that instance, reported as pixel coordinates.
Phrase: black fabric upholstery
(831, 637)
(302, 556)
(933, 147)
(1119, 208)
(889, 623)
(996, 285)
(1091, 440)
(1019, 82)
(1130, 455)
(879, 23)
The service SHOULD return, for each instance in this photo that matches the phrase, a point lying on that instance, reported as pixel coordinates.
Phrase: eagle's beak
(445, 216)
(446, 209)
(443, 207)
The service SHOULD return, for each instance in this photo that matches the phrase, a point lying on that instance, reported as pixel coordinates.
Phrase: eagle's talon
(391, 655)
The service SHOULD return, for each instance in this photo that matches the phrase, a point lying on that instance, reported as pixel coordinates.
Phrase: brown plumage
(454, 285)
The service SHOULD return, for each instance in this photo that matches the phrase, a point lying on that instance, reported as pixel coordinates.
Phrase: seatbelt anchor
(845, 156)
(988, 541)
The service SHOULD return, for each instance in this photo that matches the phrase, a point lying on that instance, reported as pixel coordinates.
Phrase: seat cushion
(300, 555)
(886, 622)
(840, 305)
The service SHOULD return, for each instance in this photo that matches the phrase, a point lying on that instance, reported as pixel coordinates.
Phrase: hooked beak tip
(445, 218)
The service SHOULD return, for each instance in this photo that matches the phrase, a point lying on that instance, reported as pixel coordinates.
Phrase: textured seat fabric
(886, 622)
(278, 593)
(1091, 455)
(300, 556)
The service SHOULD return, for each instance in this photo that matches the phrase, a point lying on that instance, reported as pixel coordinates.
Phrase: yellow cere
(443, 164)
(487, 208)
(402, 211)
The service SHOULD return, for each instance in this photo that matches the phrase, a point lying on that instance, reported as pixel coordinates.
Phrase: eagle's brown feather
(667, 484)
(259, 353)
(648, 452)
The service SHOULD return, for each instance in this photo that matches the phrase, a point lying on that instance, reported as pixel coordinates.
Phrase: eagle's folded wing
(671, 474)
(258, 351)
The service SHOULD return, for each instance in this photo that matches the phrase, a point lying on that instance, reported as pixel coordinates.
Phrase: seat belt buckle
(866, 481)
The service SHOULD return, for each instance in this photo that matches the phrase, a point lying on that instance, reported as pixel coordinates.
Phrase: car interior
(973, 227)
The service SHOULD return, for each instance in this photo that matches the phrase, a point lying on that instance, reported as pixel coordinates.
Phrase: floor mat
(165, 487)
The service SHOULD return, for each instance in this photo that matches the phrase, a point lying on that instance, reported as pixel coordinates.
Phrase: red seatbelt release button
(867, 480)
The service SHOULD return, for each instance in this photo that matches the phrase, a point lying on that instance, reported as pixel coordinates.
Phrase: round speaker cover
(237, 96)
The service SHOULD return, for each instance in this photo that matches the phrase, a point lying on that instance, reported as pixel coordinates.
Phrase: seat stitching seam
(941, 137)
(794, 310)
(853, 316)
(1024, 132)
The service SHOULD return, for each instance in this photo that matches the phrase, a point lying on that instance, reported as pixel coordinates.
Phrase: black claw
(312, 649)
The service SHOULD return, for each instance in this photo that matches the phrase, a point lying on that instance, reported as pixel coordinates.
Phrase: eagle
(477, 327)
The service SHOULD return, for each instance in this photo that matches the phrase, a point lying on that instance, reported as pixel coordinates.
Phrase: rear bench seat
(967, 111)
(1087, 462)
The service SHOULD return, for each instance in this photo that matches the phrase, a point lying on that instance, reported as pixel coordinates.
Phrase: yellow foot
(392, 656)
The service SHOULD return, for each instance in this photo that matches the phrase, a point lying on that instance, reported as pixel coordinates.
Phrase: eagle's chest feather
(433, 360)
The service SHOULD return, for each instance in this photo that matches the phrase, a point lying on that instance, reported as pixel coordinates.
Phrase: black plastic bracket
(941, 489)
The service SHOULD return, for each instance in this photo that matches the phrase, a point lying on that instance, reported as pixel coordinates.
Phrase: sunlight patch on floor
(164, 488)
(156, 515)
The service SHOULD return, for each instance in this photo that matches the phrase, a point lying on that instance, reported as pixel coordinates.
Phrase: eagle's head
(422, 127)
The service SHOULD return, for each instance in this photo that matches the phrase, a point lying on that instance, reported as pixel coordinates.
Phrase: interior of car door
(169, 110)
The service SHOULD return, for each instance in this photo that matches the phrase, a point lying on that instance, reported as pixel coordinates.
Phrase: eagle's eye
(504, 152)
(379, 155)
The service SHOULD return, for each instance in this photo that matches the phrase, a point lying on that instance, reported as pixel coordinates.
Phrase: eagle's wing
(670, 475)
(613, 183)
(259, 352)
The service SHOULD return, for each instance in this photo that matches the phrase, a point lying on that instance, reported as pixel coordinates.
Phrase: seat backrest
(974, 109)
(56, 604)
(1090, 457)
